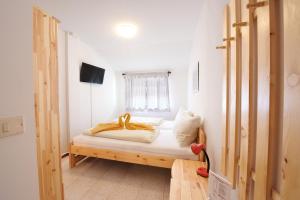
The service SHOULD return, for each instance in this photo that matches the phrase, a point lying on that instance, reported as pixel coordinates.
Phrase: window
(147, 92)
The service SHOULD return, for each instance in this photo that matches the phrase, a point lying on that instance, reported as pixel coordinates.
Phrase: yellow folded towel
(121, 125)
(108, 126)
(136, 126)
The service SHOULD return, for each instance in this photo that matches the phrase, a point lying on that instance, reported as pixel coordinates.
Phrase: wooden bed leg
(201, 140)
(72, 160)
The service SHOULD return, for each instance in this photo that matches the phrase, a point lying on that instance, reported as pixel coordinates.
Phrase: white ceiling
(164, 40)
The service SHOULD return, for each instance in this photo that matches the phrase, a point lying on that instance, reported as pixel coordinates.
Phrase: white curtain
(147, 92)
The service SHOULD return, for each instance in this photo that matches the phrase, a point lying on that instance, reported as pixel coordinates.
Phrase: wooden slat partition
(231, 91)
(254, 98)
(46, 105)
(291, 109)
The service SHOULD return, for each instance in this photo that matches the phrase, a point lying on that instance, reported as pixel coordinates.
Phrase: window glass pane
(147, 92)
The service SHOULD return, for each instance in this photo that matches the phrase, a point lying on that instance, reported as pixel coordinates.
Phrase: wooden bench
(185, 183)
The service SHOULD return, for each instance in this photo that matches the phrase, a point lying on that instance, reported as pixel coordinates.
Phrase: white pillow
(183, 112)
(186, 129)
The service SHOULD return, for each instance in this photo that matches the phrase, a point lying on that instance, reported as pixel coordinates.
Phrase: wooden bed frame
(77, 153)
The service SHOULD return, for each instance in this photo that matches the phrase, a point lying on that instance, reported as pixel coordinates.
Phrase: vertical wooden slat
(46, 105)
(276, 96)
(238, 88)
(226, 91)
(252, 102)
(232, 98)
(234, 93)
(245, 173)
(291, 108)
(263, 102)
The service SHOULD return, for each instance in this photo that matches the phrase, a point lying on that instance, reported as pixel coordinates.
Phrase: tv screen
(91, 74)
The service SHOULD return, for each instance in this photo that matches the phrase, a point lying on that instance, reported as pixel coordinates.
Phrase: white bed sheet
(165, 144)
(167, 124)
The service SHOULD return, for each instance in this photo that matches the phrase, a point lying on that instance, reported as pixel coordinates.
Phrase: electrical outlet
(11, 126)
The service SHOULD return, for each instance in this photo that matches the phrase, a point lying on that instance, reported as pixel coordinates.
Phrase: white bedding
(165, 144)
(154, 121)
(128, 135)
(166, 124)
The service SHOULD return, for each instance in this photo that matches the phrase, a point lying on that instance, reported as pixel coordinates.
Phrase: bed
(160, 153)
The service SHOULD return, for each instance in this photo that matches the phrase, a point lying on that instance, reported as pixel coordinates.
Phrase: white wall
(207, 102)
(18, 166)
(177, 89)
(88, 103)
(62, 80)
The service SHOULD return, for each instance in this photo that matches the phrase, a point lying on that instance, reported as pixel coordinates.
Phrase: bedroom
(126, 99)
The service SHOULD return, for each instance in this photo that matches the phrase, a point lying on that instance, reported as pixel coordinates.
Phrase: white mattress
(165, 144)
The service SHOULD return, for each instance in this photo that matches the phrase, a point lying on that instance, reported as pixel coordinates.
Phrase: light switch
(11, 126)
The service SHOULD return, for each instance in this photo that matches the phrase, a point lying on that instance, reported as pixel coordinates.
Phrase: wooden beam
(130, 157)
(235, 95)
(221, 47)
(276, 96)
(228, 39)
(45, 69)
(263, 67)
(239, 24)
(245, 135)
(257, 4)
(290, 173)
(226, 94)
(275, 195)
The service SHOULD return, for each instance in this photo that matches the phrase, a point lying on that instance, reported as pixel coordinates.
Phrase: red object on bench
(196, 149)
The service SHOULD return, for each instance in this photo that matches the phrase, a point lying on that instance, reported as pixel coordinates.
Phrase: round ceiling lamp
(126, 30)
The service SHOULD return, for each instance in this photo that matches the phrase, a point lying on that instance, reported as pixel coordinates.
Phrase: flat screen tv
(91, 74)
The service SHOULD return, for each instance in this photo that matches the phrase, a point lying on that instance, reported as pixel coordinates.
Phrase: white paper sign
(218, 187)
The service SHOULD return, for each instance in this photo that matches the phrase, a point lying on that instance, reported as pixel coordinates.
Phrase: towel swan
(136, 126)
(123, 123)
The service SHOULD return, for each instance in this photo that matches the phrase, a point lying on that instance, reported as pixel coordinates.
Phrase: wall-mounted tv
(91, 74)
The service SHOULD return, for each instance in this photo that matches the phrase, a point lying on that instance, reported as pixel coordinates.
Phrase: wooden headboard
(201, 140)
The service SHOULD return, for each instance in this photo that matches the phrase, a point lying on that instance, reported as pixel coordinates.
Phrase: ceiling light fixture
(126, 30)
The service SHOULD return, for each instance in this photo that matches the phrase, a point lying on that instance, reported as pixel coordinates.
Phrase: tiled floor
(97, 179)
